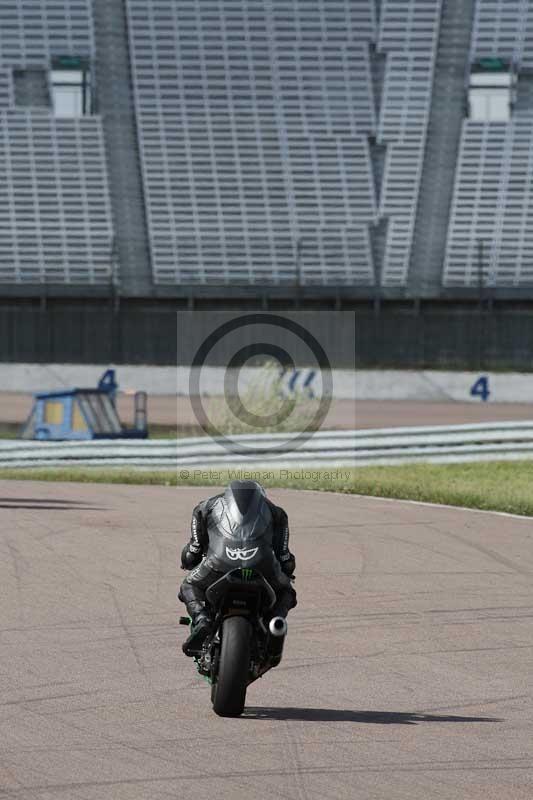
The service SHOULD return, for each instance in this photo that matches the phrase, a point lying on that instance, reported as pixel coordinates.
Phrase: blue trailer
(72, 414)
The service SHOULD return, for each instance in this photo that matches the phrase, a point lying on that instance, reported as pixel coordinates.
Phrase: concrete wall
(347, 384)
(476, 387)
(158, 380)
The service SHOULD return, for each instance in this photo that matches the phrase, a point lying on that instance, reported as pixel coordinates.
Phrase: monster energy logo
(247, 574)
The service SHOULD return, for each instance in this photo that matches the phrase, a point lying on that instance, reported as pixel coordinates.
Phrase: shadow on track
(46, 504)
(347, 715)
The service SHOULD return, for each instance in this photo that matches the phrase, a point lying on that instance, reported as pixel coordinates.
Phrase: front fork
(262, 660)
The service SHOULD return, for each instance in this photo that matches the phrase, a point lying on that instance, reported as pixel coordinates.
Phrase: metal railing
(452, 443)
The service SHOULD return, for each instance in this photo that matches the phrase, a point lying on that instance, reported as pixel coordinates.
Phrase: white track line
(417, 503)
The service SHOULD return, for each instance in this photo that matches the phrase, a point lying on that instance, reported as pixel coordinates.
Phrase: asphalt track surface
(407, 671)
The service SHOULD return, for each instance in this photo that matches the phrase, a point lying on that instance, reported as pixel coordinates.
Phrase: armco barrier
(507, 440)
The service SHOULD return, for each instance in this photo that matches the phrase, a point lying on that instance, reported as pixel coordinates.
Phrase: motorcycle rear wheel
(228, 694)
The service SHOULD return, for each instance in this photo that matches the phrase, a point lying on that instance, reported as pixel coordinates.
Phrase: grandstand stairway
(442, 148)
(378, 230)
(524, 94)
(116, 106)
(378, 153)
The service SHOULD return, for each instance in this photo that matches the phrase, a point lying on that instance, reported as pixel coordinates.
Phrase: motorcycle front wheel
(228, 694)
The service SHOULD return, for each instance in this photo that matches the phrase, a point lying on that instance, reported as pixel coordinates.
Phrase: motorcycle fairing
(236, 536)
(241, 528)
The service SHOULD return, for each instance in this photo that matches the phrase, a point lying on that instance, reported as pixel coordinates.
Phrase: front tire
(229, 692)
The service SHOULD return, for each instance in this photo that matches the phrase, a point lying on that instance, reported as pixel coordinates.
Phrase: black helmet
(244, 510)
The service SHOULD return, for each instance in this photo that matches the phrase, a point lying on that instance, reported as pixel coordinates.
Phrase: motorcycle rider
(241, 515)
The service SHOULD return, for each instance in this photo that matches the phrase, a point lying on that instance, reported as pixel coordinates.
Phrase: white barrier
(436, 385)
(508, 440)
(31, 378)
(347, 384)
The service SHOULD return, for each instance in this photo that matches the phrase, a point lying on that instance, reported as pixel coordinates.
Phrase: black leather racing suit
(200, 556)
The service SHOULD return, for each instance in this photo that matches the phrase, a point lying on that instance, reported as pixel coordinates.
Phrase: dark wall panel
(391, 337)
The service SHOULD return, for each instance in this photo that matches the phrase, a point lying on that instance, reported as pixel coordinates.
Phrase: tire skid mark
(127, 633)
(386, 768)
(294, 757)
(486, 551)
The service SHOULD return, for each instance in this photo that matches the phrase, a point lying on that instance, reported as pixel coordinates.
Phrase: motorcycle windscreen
(253, 522)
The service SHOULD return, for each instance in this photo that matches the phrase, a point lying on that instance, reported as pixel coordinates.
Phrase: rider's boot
(200, 629)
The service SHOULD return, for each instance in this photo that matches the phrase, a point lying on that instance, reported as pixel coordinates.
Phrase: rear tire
(229, 692)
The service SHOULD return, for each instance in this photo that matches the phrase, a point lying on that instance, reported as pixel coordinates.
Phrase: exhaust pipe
(277, 631)
(277, 627)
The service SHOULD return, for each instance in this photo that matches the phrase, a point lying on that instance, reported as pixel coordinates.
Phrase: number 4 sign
(481, 388)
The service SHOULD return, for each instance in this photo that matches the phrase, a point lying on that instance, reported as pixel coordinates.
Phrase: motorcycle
(242, 646)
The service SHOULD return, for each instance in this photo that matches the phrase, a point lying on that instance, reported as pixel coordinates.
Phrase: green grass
(492, 485)
(499, 486)
(156, 431)
(10, 430)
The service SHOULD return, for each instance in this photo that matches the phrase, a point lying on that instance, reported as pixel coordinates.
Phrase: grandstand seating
(279, 143)
(54, 212)
(6, 88)
(503, 28)
(55, 217)
(492, 204)
(492, 201)
(31, 31)
(253, 120)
